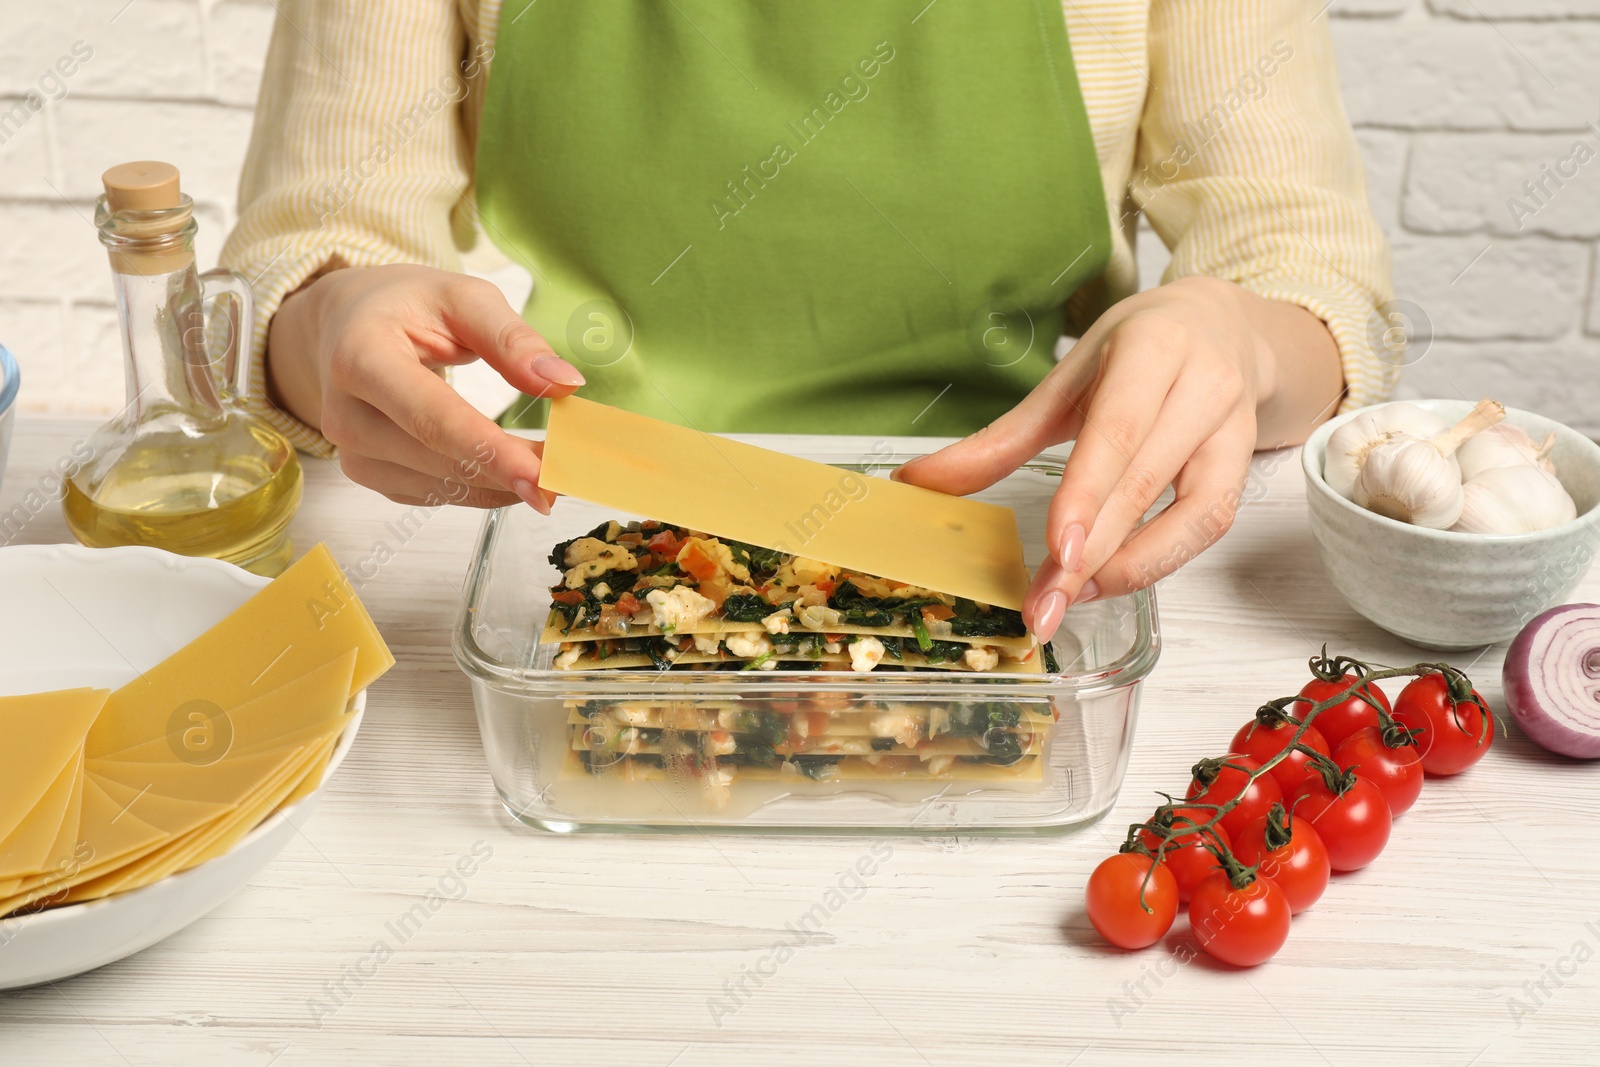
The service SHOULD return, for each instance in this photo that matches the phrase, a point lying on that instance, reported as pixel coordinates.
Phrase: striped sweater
(1219, 120)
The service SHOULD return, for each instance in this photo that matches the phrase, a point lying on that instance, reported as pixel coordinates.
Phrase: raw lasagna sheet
(583, 740)
(833, 660)
(641, 465)
(850, 768)
(698, 719)
(554, 633)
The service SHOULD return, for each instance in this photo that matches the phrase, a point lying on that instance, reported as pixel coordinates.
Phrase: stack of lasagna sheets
(653, 596)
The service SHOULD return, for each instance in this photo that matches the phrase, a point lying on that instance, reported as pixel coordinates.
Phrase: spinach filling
(746, 607)
(606, 531)
(799, 644)
(657, 650)
(944, 651)
(817, 768)
(983, 719)
(992, 724)
(594, 766)
(763, 563)
(587, 610)
(920, 629)
(1002, 748)
(973, 621)
(759, 662)
(753, 755)
(767, 727)
(858, 609)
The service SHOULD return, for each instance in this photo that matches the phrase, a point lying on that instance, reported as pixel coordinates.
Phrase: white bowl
(10, 382)
(75, 616)
(1447, 590)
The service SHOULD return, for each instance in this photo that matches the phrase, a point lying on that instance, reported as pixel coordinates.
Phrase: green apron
(835, 216)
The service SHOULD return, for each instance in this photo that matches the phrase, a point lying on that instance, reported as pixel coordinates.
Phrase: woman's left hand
(1175, 386)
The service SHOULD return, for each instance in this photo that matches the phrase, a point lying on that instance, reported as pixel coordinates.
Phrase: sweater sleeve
(361, 154)
(1248, 170)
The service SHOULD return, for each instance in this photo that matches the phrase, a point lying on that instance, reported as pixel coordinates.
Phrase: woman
(868, 216)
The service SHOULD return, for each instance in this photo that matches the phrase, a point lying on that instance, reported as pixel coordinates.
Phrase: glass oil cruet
(184, 467)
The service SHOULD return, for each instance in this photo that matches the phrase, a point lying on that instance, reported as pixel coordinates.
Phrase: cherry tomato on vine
(1344, 718)
(1290, 852)
(1187, 857)
(1451, 736)
(1261, 741)
(1115, 908)
(1350, 816)
(1395, 770)
(1242, 925)
(1221, 781)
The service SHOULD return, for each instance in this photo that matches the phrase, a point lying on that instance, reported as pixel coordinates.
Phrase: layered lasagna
(651, 595)
(804, 741)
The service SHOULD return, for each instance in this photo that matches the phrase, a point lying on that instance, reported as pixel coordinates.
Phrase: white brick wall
(163, 79)
(1458, 103)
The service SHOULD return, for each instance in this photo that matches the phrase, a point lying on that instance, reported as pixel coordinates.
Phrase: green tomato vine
(1165, 826)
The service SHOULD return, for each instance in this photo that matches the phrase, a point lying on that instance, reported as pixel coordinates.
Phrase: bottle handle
(230, 313)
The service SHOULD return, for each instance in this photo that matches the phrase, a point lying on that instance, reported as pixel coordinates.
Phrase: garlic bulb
(1514, 500)
(1349, 444)
(1409, 479)
(1504, 446)
(1417, 480)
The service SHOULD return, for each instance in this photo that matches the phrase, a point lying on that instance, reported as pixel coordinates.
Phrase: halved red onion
(1552, 680)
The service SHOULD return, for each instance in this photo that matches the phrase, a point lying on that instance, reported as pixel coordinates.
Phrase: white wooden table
(614, 949)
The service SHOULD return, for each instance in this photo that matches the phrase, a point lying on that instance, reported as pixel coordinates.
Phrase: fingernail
(557, 370)
(1090, 590)
(1048, 615)
(1070, 550)
(530, 495)
(894, 475)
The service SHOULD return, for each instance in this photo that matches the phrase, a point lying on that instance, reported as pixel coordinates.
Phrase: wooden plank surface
(959, 950)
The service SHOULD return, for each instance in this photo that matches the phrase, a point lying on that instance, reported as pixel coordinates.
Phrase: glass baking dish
(539, 725)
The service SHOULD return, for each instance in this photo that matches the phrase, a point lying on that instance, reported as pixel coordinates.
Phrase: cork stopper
(143, 244)
(142, 186)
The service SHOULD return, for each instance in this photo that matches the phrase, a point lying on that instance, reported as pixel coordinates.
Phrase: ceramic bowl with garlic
(1451, 524)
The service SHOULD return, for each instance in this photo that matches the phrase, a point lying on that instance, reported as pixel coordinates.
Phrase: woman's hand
(1174, 386)
(358, 355)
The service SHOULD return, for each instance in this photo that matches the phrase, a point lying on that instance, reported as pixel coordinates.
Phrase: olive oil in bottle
(184, 467)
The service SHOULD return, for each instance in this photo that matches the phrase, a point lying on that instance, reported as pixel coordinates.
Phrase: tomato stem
(1339, 780)
(1278, 832)
(1460, 691)
(1275, 713)
(1396, 736)
(1323, 764)
(1238, 874)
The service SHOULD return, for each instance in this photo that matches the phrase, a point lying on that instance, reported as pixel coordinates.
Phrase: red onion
(1552, 680)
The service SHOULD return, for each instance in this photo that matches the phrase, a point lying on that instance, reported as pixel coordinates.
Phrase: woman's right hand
(359, 355)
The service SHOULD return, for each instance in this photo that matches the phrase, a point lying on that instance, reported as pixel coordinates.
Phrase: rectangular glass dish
(559, 743)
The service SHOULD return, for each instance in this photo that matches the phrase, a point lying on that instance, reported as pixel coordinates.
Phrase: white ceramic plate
(72, 616)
